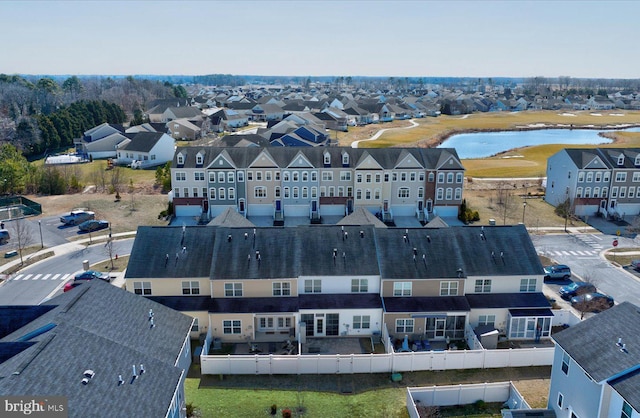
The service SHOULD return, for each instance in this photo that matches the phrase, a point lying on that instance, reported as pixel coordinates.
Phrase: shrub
(274, 409)
(286, 413)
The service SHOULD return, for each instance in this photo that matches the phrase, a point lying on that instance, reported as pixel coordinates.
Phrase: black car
(93, 225)
(576, 289)
(592, 302)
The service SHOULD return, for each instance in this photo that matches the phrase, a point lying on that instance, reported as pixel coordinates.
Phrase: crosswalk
(49, 277)
(591, 240)
(588, 253)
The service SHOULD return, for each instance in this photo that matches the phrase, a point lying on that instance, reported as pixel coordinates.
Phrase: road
(582, 252)
(37, 283)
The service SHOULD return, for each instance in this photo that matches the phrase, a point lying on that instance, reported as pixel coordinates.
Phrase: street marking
(565, 253)
(63, 278)
(27, 277)
(55, 276)
(46, 276)
(573, 253)
(582, 252)
(596, 237)
(37, 276)
(18, 277)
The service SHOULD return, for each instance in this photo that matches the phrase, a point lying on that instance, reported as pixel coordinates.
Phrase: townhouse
(595, 371)
(315, 182)
(268, 284)
(598, 181)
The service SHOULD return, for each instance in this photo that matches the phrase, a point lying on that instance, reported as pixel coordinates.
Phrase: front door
(241, 203)
(429, 206)
(440, 327)
(319, 326)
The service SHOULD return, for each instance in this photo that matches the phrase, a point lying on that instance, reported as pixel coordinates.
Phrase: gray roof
(99, 327)
(593, 345)
(153, 243)
(231, 218)
(361, 216)
(142, 141)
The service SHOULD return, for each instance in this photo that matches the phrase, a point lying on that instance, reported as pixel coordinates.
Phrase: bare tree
(22, 234)
(109, 250)
(116, 180)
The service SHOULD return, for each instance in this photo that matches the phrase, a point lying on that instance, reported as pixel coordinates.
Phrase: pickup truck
(76, 217)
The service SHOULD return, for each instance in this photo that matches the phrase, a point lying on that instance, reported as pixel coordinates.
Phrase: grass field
(519, 162)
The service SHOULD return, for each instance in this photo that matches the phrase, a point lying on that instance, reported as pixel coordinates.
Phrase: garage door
(406, 210)
(190, 210)
(446, 211)
(296, 210)
(332, 210)
(259, 210)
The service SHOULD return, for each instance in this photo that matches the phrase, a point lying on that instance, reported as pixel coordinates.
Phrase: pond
(486, 144)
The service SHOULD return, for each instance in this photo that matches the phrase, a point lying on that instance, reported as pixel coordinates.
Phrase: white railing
(375, 363)
(463, 395)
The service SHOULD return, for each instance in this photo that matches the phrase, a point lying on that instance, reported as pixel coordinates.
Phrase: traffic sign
(615, 242)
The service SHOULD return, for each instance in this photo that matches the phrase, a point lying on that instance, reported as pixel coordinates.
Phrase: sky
(509, 38)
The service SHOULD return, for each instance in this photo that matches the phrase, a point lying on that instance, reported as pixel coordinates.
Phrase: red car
(70, 285)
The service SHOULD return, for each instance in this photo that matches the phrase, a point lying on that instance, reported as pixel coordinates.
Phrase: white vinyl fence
(463, 395)
(375, 363)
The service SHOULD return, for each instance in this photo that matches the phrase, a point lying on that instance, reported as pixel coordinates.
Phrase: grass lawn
(214, 402)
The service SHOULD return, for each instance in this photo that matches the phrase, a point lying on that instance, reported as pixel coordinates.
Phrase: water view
(486, 144)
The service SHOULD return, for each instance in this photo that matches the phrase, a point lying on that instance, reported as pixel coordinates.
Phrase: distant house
(596, 366)
(100, 141)
(148, 149)
(109, 352)
(184, 129)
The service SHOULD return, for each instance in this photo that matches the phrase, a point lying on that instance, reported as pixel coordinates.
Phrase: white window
(195, 192)
(314, 192)
(232, 326)
(267, 176)
(565, 363)
(221, 193)
(359, 285)
(449, 177)
(359, 178)
(345, 159)
(198, 176)
(361, 322)
(231, 177)
(528, 285)
(327, 158)
(232, 193)
(233, 289)
(431, 177)
(605, 191)
(598, 176)
(483, 286)
(458, 193)
(412, 176)
(305, 176)
(402, 288)
(186, 192)
(596, 192)
(440, 194)
(367, 194)
(194, 326)
(632, 192)
(349, 191)
(404, 326)
(378, 178)
(636, 177)
(403, 177)
(260, 192)
(581, 176)
(258, 175)
(305, 192)
(448, 288)
(589, 176)
(204, 192)
(449, 194)
(281, 289)
(345, 176)
(295, 176)
(142, 288)
(181, 176)
(212, 192)
(313, 286)
(440, 177)
(287, 193)
(358, 194)
(212, 177)
(459, 177)
(587, 192)
(394, 176)
(621, 159)
(623, 192)
(421, 176)
(561, 400)
(314, 176)
(296, 192)
(341, 191)
(403, 192)
(190, 288)
(614, 192)
(377, 194)
(276, 192)
(621, 176)
(180, 159)
(421, 192)
(579, 192)
(241, 176)
(220, 177)
(487, 320)
(323, 191)
(285, 176)
(332, 191)
(605, 176)
(327, 176)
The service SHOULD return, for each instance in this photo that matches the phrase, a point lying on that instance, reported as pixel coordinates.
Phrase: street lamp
(524, 208)
(40, 227)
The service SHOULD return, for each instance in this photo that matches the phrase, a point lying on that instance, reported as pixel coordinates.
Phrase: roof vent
(152, 324)
(624, 348)
(229, 238)
(619, 343)
(85, 381)
(459, 272)
(120, 380)
(361, 234)
(150, 314)
(424, 259)
(428, 238)
(246, 235)
(405, 238)
(141, 368)
(133, 373)
(89, 373)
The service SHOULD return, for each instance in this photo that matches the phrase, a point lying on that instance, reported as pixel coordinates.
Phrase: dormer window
(327, 159)
(345, 160)
(199, 159)
(180, 159)
(637, 160)
(621, 159)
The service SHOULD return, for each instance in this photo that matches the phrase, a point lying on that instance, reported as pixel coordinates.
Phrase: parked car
(76, 217)
(576, 289)
(92, 274)
(93, 225)
(70, 285)
(557, 272)
(635, 264)
(4, 236)
(592, 302)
